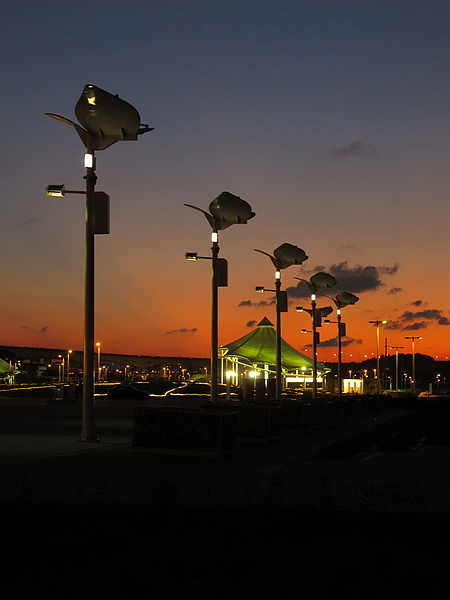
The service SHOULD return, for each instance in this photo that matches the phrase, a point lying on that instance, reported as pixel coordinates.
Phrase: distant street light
(99, 367)
(377, 322)
(69, 352)
(61, 369)
(225, 210)
(413, 338)
(283, 257)
(396, 348)
(317, 282)
(104, 120)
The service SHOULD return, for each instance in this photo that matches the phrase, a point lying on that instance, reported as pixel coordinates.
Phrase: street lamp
(316, 283)
(283, 257)
(341, 300)
(396, 348)
(69, 352)
(104, 120)
(99, 368)
(377, 322)
(225, 210)
(413, 338)
(61, 369)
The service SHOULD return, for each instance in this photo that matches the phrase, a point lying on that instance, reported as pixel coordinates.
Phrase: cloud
(355, 279)
(332, 343)
(412, 321)
(354, 148)
(418, 303)
(182, 330)
(251, 304)
(41, 330)
(395, 290)
(415, 326)
(251, 324)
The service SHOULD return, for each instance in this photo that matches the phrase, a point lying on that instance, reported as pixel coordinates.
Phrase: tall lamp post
(341, 300)
(396, 348)
(99, 364)
(225, 210)
(413, 338)
(69, 352)
(104, 120)
(284, 256)
(61, 369)
(317, 282)
(377, 322)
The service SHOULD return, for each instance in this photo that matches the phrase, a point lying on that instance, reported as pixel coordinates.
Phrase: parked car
(125, 391)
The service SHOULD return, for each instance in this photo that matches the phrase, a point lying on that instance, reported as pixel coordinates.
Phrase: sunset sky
(330, 118)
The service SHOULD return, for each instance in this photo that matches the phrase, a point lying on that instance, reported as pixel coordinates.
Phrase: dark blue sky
(330, 119)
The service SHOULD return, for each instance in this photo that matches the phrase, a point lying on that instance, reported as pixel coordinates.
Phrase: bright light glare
(214, 237)
(88, 161)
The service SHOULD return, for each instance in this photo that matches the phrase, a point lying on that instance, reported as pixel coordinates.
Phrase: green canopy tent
(4, 366)
(259, 348)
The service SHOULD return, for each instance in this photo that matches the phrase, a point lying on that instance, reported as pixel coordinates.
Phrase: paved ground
(41, 459)
(312, 515)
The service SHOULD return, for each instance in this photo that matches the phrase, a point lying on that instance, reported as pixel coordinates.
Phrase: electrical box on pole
(283, 299)
(221, 272)
(101, 213)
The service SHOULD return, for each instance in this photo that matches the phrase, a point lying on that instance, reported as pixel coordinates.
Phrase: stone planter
(295, 416)
(185, 432)
(256, 422)
(259, 423)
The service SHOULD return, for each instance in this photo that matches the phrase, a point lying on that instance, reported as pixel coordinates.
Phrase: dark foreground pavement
(310, 515)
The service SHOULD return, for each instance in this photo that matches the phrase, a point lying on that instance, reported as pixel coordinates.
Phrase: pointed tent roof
(259, 346)
(4, 366)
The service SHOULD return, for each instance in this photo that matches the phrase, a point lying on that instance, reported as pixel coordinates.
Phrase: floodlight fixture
(260, 289)
(56, 190)
(60, 191)
(191, 256)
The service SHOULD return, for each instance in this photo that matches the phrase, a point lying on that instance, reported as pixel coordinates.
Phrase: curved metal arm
(272, 258)
(209, 217)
